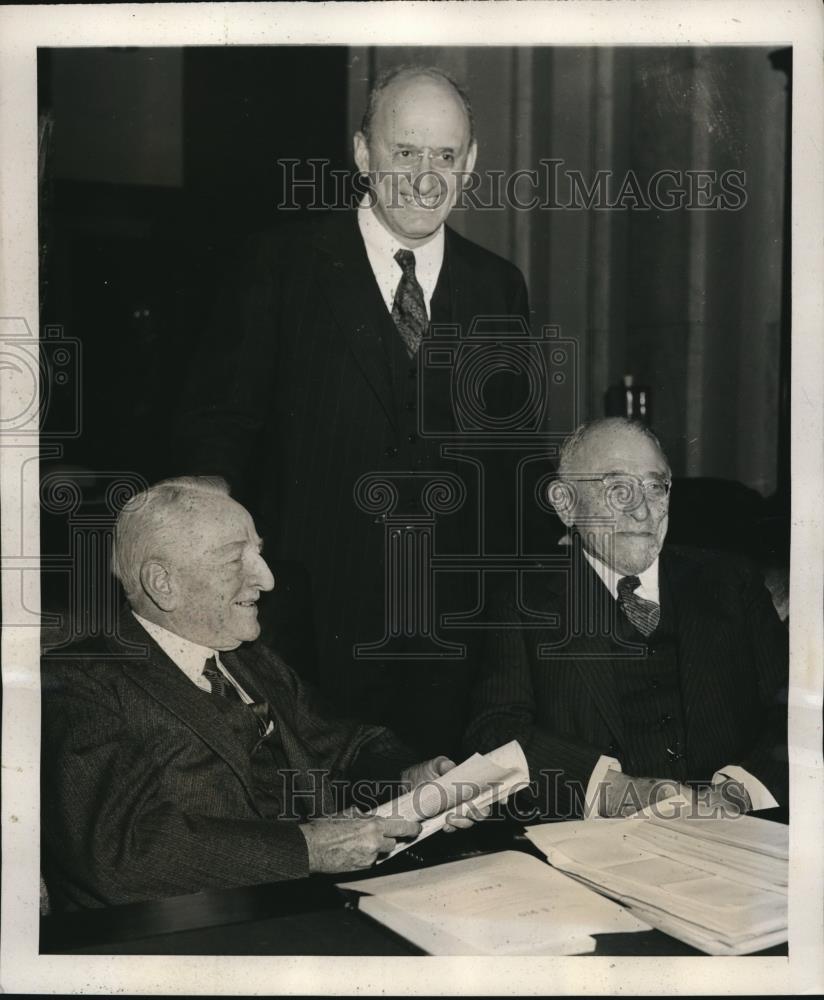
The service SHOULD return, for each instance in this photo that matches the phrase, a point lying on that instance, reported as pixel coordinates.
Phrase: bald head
(597, 440)
(190, 560)
(417, 76)
(416, 144)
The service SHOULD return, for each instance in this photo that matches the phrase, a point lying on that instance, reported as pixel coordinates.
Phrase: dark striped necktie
(219, 684)
(409, 307)
(223, 688)
(643, 614)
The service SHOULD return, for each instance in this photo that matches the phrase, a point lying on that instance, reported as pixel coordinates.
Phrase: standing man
(310, 380)
(661, 665)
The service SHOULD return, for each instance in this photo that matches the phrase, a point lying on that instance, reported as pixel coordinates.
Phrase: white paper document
(480, 780)
(507, 903)
(717, 884)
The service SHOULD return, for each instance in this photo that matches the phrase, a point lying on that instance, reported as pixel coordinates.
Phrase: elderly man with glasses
(629, 669)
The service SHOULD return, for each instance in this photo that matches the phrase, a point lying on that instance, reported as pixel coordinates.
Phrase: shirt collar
(383, 245)
(189, 656)
(610, 577)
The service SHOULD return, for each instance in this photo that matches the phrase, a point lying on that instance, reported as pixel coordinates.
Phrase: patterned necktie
(409, 308)
(222, 688)
(643, 614)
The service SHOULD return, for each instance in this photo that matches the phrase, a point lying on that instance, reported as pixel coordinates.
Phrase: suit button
(391, 451)
(650, 650)
(412, 439)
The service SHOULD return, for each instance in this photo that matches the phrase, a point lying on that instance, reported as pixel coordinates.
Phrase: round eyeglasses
(623, 491)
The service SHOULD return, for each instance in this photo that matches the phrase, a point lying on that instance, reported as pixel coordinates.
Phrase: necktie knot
(406, 259)
(627, 586)
(220, 686)
(644, 615)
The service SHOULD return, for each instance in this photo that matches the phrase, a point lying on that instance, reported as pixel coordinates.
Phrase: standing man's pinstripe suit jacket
(301, 388)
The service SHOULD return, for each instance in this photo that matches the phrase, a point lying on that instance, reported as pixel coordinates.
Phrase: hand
(427, 770)
(625, 794)
(346, 842)
(466, 814)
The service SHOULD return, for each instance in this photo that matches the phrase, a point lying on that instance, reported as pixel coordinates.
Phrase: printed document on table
(507, 903)
(718, 884)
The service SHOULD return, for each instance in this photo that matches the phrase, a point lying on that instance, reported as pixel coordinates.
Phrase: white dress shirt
(381, 247)
(190, 658)
(610, 577)
(759, 794)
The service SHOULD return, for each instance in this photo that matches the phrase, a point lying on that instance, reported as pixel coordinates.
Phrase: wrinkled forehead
(204, 524)
(417, 106)
(619, 450)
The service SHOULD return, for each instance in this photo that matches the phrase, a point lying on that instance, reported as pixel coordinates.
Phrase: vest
(649, 692)
(272, 779)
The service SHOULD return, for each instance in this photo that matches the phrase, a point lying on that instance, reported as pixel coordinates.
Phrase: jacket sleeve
(114, 833)
(503, 708)
(769, 655)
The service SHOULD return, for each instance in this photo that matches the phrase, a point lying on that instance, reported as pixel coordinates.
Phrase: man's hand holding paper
(446, 796)
(458, 794)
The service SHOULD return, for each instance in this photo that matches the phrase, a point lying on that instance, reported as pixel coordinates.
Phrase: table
(307, 916)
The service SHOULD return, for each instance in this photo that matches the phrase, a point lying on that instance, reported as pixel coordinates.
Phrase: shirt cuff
(594, 798)
(758, 792)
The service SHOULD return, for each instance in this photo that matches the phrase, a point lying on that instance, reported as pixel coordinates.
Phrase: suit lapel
(243, 665)
(163, 681)
(452, 298)
(346, 280)
(698, 621)
(586, 606)
(598, 669)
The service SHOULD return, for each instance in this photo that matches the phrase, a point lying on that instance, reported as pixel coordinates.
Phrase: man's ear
(360, 148)
(158, 586)
(561, 495)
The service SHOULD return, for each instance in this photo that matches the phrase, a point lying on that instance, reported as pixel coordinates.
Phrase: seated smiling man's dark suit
(152, 787)
(305, 385)
(702, 695)
(202, 761)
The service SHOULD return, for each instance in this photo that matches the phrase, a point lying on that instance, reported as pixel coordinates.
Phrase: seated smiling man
(202, 761)
(655, 667)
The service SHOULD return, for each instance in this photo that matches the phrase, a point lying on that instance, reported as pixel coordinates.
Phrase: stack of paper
(499, 904)
(479, 781)
(718, 884)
